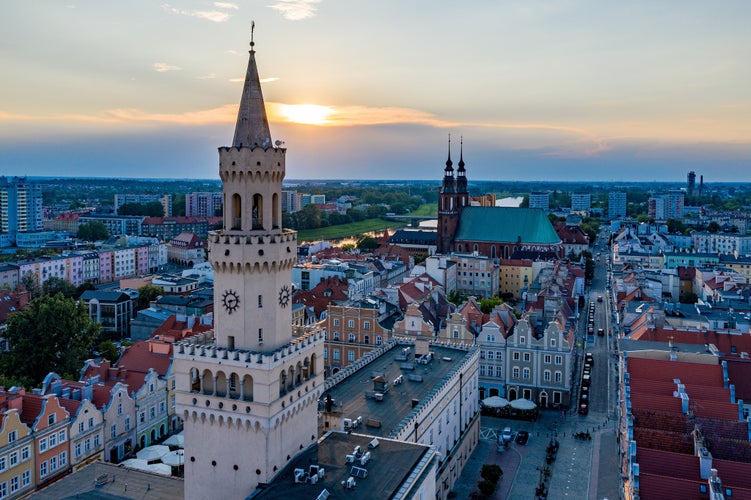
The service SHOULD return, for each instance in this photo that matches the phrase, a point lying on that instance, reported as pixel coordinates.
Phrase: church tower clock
(248, 394)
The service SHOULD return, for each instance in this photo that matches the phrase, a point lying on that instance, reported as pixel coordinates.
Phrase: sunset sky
(539, 90)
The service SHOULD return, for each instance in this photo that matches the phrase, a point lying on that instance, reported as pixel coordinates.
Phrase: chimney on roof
(705, 462)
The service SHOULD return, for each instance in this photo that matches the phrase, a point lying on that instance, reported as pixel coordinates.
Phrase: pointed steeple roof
(461, 154)
(449, 163)
(252, 127)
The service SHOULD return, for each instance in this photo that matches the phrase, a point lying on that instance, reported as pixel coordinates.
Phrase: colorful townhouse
(17, 463)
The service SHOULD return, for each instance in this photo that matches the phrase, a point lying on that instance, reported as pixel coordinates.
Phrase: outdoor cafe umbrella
(153, 453)
(177, 440)
(523, 404)
(173, 458)
(495, 402)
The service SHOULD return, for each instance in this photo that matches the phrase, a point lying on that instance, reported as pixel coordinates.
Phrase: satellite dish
(278, 143)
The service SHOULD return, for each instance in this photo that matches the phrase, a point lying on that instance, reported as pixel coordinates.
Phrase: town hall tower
(248, 393)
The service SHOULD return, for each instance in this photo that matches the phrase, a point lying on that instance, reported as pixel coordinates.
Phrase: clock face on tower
(230, 301)
(284, 296)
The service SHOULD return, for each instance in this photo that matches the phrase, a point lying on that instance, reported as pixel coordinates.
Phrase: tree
(88, 285)
(146, 294)
(30, 281)
(713, 227)
(367, 243)
(53, 334)
(487, 305)
(456, 297)
(92, 231)
(54, 285)
(109, 351)
(150, 209)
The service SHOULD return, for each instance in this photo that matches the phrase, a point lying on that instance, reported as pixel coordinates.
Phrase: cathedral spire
(449, 163)
(461, 154)
(252, 127)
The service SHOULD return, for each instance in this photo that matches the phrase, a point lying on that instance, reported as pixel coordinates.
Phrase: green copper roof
(506, 224)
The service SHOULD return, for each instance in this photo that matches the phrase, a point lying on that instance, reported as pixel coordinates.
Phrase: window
(491, 338)
(13, 459)
(526, 356)
(499, 371)
(546, 376)
(350, 356)
(325, 354)
(12, 436)
(456, 333)
(3, 489)
(559, 360)
(547, 358)
(91, 422)
(52, 440)
(366, 325)
(482, 370)
(113, 431)
(127, 423)
(499, 355)
(26, 478)
(42, 445)
(78, 450)
(336, 321)
(260, 301)
(525, 374)
(97, 441)
(379, 340)
(87, 446)
(152, 412)
(260, 335)
(51, 419)
(163, 404)
(336, 354)
(14, 484)
(366, 339)
(25, 453)
(80, 427)
(515, 372)
(522, 340)
(351, 337)
(558, 376)
(351, 323)
(142, 417)
(53, 464)
(3, 464)
(119, 408)
(63, 459)
(62, 436)
(516, 356)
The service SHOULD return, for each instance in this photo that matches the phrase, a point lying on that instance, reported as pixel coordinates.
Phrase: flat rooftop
(391, 464)
(349, 395)
(103, 481)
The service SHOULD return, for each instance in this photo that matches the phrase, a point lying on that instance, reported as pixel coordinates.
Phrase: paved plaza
(582, 469)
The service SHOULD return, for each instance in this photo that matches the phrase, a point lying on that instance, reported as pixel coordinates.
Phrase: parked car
(522, 437)
(600, 332)
(506, 434)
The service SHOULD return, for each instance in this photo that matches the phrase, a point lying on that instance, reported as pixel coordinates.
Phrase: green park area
(351, 230)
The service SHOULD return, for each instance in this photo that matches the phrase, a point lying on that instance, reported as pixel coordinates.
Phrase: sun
(307, 114)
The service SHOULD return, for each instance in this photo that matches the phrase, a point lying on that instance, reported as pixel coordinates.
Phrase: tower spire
(461, 154)
(252, 128)
(449, 163)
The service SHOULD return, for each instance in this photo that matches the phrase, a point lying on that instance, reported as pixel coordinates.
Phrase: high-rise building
(248, 393)
(581, 202)
(203, 204)
(291, 201)
(142, 199)
(616, 204)
(20, 207)
(540, 200)
(691, 183)
(666, 206)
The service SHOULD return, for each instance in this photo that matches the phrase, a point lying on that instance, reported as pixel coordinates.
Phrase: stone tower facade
(452, 198)
(248, 393)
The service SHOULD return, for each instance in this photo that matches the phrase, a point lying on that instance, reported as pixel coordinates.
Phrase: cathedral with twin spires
(248, 391)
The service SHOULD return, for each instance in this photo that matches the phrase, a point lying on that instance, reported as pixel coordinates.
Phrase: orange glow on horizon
(306, 114)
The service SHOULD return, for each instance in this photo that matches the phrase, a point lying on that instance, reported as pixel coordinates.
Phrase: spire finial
(449, 163)
(461, 152)
(252, 29)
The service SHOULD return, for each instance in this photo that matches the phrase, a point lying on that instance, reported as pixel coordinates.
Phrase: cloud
(161, 67)
(269, 79)
(210, 15)
(226, 5)
(210, 76)
(296, 10)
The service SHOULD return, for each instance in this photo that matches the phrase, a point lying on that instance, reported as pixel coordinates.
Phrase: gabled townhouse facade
(17, 457)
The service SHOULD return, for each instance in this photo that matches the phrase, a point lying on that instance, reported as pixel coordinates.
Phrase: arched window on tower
(492, 252)
(275, 211)
(237, 210)
(257, 211)
(475, 248)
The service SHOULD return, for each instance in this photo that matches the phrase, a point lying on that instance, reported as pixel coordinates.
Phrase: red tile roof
(666, 463)
(688, 373)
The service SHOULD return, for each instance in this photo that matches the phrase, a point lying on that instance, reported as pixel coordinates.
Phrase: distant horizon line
(345, 180)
